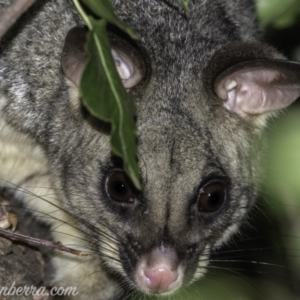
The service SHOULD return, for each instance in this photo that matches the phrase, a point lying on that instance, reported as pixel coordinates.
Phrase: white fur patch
(20, 158)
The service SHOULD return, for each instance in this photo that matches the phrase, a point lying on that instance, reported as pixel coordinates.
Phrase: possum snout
(159, 271)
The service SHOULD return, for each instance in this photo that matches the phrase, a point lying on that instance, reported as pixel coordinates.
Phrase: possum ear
(128, 62)
(73, 57)
(259, 86)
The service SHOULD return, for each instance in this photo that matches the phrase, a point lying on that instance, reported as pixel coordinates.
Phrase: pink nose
(160, 280)
(159, 271)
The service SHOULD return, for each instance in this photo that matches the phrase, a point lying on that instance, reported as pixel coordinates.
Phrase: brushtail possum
(204, 86)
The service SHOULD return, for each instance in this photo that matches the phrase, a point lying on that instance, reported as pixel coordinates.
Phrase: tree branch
(10, 14)
(39, 242)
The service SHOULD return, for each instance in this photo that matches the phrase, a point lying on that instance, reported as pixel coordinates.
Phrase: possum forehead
(174, 157)
(172, 147)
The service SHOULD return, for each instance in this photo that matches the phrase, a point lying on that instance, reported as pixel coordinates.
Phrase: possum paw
(8, 219)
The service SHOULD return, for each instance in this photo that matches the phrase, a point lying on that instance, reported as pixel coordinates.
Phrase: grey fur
(185, 134)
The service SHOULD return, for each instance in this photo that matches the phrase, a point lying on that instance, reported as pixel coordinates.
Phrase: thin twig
(10, 14)
(39, 242)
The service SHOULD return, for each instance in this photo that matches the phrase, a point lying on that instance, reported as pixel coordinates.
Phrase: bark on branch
(39, 242)
(10, 14)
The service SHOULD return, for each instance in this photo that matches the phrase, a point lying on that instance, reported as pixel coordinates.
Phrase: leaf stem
(83, 14)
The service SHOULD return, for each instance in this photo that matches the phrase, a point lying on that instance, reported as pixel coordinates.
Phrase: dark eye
(119, 187)
(211, 197)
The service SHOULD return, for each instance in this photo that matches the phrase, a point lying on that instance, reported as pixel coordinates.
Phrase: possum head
(200, 120)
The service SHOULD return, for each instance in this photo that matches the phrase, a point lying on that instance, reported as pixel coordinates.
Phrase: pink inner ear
(73, 57)
(128, 68)
(73, 67)
(256, 91)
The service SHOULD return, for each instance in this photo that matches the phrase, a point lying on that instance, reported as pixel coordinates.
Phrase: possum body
(204, 86)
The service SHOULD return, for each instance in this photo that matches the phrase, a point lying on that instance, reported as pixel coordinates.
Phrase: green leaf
(105, 97)
(284, 156)
(278, 13)
(102, 90)
(103, 9)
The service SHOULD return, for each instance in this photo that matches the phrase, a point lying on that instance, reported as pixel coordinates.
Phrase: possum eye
(119, 188)
(129, 69)
(211, 197)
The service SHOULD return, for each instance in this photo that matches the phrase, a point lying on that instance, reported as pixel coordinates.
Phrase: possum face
(189, 203)
(198, 155)
(192, 200)
(201, 109)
